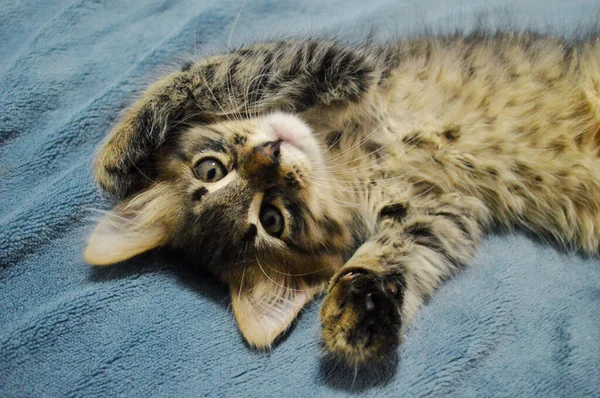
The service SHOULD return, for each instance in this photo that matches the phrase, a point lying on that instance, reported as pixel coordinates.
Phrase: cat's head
(250, 201)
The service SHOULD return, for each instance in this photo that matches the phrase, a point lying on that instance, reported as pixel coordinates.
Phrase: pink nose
(271, 149)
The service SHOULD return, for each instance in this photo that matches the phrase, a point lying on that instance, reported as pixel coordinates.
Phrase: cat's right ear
(134, 226)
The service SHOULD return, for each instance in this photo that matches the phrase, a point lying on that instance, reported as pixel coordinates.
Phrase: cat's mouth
(288, 139)
(287, 136)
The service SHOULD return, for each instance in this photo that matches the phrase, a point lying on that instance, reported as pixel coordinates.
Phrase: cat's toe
(361, 315)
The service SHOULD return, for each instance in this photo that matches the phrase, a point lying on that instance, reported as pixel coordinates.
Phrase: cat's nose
(271, 149)
(260, 166)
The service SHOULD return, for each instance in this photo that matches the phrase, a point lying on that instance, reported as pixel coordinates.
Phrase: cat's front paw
(119, 164)
(361, 315)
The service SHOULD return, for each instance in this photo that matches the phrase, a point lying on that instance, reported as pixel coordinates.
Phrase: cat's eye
(271, 220)
(210, 170)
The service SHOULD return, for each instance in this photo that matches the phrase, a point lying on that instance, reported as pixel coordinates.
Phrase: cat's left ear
(134, 226)
(265, 308)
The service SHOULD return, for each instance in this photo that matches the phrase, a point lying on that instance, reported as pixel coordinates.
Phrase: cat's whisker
(339, 202)
(376, 162)
(331, 158)
(337, 169)
(214, 97)
(364, 190)
(232, 103)
(244, 106)
(144, 174)
(237, 18)
(365, 168)
(380, 180)
(256, 106)
(335, 200)
(364, 156)
(421, 194)
(244, 267)
(354, 146)
(296, 274)
(254, 110)
(272, 280)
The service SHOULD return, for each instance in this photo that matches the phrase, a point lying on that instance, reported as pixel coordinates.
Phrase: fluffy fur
(394, 161)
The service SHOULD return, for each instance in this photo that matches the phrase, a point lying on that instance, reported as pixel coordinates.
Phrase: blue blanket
(523, 321)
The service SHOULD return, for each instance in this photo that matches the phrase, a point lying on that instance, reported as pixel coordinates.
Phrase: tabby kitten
(283, 165)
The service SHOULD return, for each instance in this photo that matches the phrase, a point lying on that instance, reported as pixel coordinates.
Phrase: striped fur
(396, 160)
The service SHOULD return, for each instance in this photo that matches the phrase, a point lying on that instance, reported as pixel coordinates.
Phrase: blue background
(523, 321)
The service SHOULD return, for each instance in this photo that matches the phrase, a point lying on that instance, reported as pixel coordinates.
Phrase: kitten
(284, 165)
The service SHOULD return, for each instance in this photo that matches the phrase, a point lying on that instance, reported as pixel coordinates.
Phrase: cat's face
(249, 201)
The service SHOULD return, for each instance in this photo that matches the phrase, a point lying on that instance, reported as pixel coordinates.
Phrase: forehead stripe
(206, 144)
(214, 145)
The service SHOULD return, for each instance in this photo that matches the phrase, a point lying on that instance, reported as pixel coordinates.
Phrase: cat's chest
(387, 157)
(390, 149)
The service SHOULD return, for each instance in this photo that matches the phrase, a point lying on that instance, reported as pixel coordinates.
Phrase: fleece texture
(523, 321)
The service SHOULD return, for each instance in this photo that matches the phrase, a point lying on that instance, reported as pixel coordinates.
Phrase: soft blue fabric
(524, 321)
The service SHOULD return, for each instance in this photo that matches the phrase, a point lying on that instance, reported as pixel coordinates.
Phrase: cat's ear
(265, 308)
(132, 227)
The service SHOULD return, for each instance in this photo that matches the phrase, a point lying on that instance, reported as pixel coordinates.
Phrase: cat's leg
(291, 76)
(391, 275)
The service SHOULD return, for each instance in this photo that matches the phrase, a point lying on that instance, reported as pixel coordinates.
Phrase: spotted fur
(417, 149)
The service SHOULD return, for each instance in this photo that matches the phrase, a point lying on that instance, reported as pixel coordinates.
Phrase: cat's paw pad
(361, 315)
